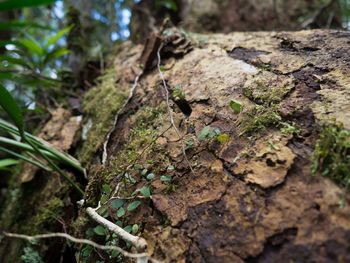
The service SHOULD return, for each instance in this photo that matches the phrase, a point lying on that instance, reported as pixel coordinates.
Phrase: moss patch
(146, 123)
(259, 118)
(49, 213)
(267, 88)
(101, 104)
(136, 151)
(331, 157)
(267, 91)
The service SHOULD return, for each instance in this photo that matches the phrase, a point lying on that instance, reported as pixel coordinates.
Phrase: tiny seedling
(208, 133)
(165, 179)
(133, 205)
(236, 106)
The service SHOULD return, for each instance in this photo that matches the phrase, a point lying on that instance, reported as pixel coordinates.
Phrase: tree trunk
(228, 157)
(236, 15)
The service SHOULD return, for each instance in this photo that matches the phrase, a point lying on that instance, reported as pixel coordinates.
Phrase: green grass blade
(54, 54)
(26, 159)
(16, 24)
(25, 147)
(8, 103)
(65, 158)
(4, 163)
(13, 4)
(31, 45)
(53, 39)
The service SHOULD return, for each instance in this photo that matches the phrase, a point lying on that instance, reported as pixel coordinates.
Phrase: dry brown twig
(170, 112)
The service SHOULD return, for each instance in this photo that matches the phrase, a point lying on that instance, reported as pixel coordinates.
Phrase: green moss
(259, 118)
(331, 157)
(30, 255)
(49, 213)
(144, 132)
(137, 150)
(101, 104)
(261, 91)
(267, 91)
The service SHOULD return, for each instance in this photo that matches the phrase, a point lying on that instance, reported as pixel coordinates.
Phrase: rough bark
(251, 196)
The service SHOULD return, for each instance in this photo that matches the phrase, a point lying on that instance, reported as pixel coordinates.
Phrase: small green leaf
(100, 230)
(12, 4)
(55, 54)
(132, 206)
(204, 133)
(4, 163)
(145, 191)
(144, 172)
(170, 168)
(15, 61)
(128, 228)
(89, 232)
(115, 254)
(10, 106)
(53, 39)
(222, 138)
(32, 46)
(216, 131)
(161, 68)
(236, 106)
(106, 189)
(135, 229)
(165, 178)
(15, 24)
(150, 176)
(117, 203)
(121, 212)
(189, 144)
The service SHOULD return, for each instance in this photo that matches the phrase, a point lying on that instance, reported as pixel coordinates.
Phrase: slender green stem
(25, 146)
(65, 158)
(53, 165)
(24, 158)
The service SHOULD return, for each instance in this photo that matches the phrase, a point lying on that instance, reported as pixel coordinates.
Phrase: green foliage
(132, 206)
(10, 107)
(223, 138)
(31, 256)
(165, 178)
(236, 106)
(31, 143)
(208, 133)
(168, 4)
(29, 61)
(15, 4)
(100, 230)
(121, 212)
(5, 163)
(150, 176)
(178, 93)
(331, 157)
(117, 203)
(259, 118)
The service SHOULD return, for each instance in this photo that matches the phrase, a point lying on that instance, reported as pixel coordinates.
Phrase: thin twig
(171, 117)
(76, 240)
(131, 94)
(138, 242)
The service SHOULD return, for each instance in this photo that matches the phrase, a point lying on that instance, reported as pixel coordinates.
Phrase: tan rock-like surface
(250, 198)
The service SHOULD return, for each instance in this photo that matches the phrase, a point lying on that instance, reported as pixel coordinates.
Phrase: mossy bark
(247, 193)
